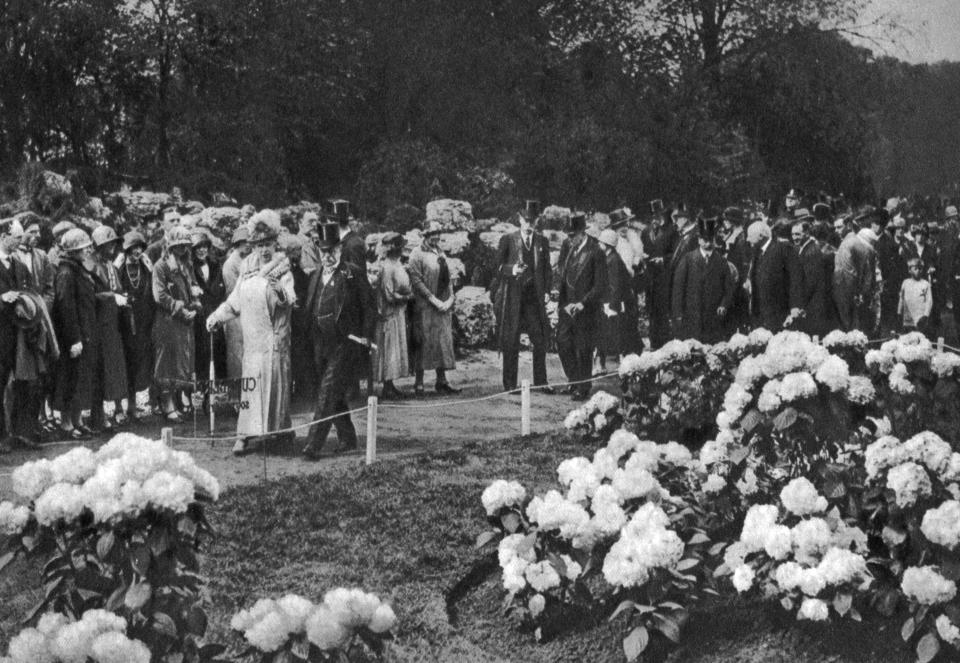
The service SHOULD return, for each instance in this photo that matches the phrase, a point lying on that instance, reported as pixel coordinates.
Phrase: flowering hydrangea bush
(598, 417)
(98, 636)
(294, 628)
(119, 529)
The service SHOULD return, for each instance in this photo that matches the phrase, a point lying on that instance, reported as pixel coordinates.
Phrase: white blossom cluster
(672, 352)
(948, 631)
(500, 494)
(895, 357)
(593, 412)
(330, 625)
(840, 339)
(813, 556)
(13, 518)
(646, 543)
(925, 585)
(124, 477)
(520, 567)
(942, 524)
(909, 465)
(99, 636)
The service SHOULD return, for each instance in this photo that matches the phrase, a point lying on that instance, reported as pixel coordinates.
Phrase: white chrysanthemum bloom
(735, 554)
(811, 538)
(942, 525)
(714, 484)
(513, 575)
(60, 501)
(880, 360)
(575, 419)
(604, 464)
(634, 481)
(622, 442)
(297, 609)
(713, 451)
(51, 623)
(554, 511)
(675, 454)
(814, 610)
(571, 468)
(787, 352)
(909, 482)
(884, 452)
(796, 386)
(839, 338)
(883, 425)
(608, 516)
(383, 619)
(788, 576)
(913, 347)
(631, 558)
(513, 547)
(769, 399)
(756, 524)
(952, 471)
(75, 466)
(324, 631)
(629, 365)
(815, 358)
(812, 581)
(840, 566)
(848, 537)
(30, 646)
(800, 497)
(948, 631)
(536, 605)
(759, 337)
(925, 585)
(743, 577)
(247, 618)
(113, 647)
(601, 402)
(899, 380)
(354, 608)
(929, 449)
(599, 421)
(749, 372)
(747, 484)
(74, 640)
(542, 576)
(500, 494)
(778, 543)
(31, 479)
(834, 373)
(572, 568)
(269, 634)
(944, 364)
(725, 421)
(13, 518)
(166, 491)
(738, 342)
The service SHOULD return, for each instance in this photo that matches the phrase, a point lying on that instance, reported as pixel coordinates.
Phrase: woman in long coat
(110, 380)
(75, 322)
(393, 293)
(263, 299)
(136, 280)
(207, 273)
(433, 311)
(239, 249)
(617, 316)
(177, 298)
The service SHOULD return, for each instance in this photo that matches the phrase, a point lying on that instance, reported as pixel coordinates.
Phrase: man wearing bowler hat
(339, 306)
(520, 294)
(703, 289)
(583, 288)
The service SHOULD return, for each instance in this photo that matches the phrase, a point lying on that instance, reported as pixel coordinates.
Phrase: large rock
(455, 243)
(475, 325)
(51, 192)
(143, 204)
(452, 214)
(492, 236)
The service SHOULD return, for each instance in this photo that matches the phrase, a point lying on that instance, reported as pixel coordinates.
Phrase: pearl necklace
(134, 282)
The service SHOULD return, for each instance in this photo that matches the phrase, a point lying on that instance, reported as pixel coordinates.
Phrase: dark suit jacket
(583, 276)
(776, 282)
(815, 299)
(13, 279)
(75, 304)
(506, 288)
(41, 277)
(355, 312)
(700, 287)
(353, 250)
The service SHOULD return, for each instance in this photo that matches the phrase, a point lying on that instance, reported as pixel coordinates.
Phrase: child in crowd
(916, 299)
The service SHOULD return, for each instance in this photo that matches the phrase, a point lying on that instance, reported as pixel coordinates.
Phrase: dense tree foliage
(592, 103)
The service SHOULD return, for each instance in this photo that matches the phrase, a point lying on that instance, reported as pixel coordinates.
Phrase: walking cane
(213, 376)
(371, 347)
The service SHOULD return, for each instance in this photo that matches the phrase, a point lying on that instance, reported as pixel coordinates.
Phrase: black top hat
(329, 235)
(870, 214)
(577, 222)
(733, 215)
(707, 228)
(822, 211)
(620, 217)
(532, 209)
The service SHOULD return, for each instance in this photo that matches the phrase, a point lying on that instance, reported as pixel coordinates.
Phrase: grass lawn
(405, 529)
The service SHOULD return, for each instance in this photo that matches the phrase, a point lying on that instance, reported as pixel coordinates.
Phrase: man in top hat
(737, 252)
(703, 289)
(583, 288)
(687, 241)
(659, 240)
(631, 251)
(339, 306)
(353, 249)
(521, 291)
(774, 278)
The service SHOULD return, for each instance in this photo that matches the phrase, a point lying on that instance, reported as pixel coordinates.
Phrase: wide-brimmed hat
(62, 227)
(264, 225)
(620, 217)
(871, 214)
(329, 235)
(133, 239)
(177, 237)
(103, 235)
(289, 241)
(822, 211)
(75, 239)
(576, 222)
(950, 212)
(432, 228)
(26, 313)
(240, 236)
(198, 239)
(609, 237)
(733, 215)
(393, 240)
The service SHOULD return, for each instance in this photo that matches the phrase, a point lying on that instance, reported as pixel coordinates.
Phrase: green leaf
(786, 419)
(486, 537)
(140, 559)
(855, 615)
(667, 626)
(717, 548)
(116, 599)
(928, 648)
(164, 624)
(510, 521)
(842, 603)
(893, 537)
(6, 559)
(738, 454)
(105, 544)
(635, 643)
(751, 420)
(624, 605)
(688, 563)
(187, 526)
(138, 595)
(908, 628)
(787, 603)
(197, 621)
(670, 605)
(699, 537)
(159, 541)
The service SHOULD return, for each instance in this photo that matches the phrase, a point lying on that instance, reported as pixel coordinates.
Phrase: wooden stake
(166, 436)
(940, 344)
(525, 407)
(371, 429)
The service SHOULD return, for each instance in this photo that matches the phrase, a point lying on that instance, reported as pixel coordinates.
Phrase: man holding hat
(583, 289)
(687, 241)
(659, 241)
(521, 291)
(703, 289)
(340, 307)
(35, 260)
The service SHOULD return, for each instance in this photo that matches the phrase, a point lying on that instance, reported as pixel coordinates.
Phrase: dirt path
(446, 423)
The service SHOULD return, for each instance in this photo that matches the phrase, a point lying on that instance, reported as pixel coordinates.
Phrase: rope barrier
(291, 429)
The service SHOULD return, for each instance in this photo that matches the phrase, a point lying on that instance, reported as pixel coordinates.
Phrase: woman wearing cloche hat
(393, 293)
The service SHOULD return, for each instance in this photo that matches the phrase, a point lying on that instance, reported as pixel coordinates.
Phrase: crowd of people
(307, 311)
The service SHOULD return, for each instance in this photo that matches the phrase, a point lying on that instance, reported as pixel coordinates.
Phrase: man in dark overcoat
(775, 279)
(686, 242)
(353, 249)
(659, 240)
(703, 289)
(583, 287)
(14, 277)
(520, 292)
(340, 306)
(815, 299)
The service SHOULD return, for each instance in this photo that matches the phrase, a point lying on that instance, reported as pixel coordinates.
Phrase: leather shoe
(445, 388)
(312, 451)
(547, 389)
(579, 396)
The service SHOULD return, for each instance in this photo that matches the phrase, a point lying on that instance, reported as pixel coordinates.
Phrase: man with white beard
(630, 249)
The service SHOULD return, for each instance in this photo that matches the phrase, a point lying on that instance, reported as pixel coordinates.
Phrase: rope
(291, 429)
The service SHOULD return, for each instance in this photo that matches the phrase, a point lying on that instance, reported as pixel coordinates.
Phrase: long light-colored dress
(393, 293)
(264, 310)
(433, 329)
(231, 328)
